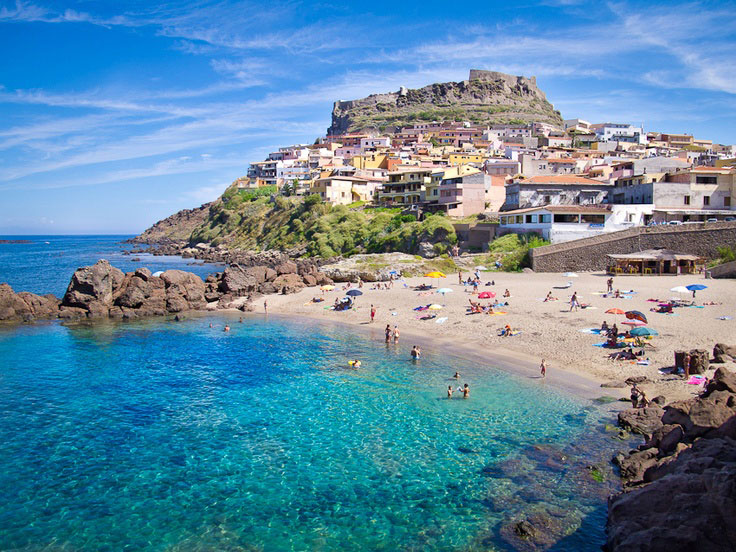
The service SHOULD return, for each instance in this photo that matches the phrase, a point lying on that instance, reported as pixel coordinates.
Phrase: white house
(561, 223)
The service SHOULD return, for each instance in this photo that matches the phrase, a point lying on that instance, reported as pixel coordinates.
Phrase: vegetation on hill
(512, 251)
(243, 221)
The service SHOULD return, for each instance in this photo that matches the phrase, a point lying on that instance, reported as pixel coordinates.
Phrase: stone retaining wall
(590, 253)
(725, 270)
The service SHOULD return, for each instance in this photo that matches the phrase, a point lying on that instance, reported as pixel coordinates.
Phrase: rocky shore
(103, 291)
(680, 484)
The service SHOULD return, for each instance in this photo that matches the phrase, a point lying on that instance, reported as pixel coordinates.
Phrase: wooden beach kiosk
(654, 262)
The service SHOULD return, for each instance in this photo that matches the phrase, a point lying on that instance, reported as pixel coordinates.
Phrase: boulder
(323, 279)
(723, 350)
(634, 466)
(12, 307)
(699, 361)
(690, 506)
(93, 284)
(184, 291)
(636, 380)
(723, 380)
(644, 421)
(42, 306)
(309, 280)
(26, 306)
(426, 250)
(697, 416)
(242, 281)
(288, 267)
(288, 283)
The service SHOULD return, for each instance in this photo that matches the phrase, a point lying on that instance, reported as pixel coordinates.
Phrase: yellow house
(333, 189)
(369, 161)
(466, 157)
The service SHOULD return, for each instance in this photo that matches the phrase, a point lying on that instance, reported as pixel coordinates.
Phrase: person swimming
(226, 329)
(449, 391)
(466, 391)
(355, 363)
(457, 375)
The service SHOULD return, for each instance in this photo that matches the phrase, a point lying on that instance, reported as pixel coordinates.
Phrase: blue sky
(114, 115)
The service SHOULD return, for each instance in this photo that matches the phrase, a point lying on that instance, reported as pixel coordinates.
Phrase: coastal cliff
(680, 485)
(177, 227)
(487, 97)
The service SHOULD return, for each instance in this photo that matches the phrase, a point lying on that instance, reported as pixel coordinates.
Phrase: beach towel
(696, 380)
(605, 345)
(725, 318)
(441, 320)
(642, 362)
(498, 313)
(595, 331)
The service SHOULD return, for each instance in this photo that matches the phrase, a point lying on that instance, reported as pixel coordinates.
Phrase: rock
(288, 283)
(184, 291)
(659, 400)
(93, 284)
(636, 380)
(690, 506)
(143, 273)
(644, 421)
(723, 380)
(697, 416)
(426, 250)
(12, 307)
(613, 384)
(25, 306)
(723, 350)
(634, 466)
(309, 280)
(699, 361)
(241, 281)
(287, 267)
(323, 279)
(271, 274)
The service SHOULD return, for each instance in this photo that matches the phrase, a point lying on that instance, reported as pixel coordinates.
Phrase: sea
(170, 436)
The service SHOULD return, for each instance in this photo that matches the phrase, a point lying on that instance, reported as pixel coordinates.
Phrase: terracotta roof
(561, 179)
(560, 160)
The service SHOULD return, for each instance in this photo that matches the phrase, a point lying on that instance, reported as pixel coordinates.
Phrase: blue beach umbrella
(696, 287)
(354, 292)
(444, 290)
(642, 331)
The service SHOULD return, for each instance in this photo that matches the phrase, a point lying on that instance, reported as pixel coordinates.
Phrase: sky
(114, 115)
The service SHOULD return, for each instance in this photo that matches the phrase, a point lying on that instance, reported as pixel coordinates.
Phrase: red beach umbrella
(615, 311)
(636, 315)
(486, 295)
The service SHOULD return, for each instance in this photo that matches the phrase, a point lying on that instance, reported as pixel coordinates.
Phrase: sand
(548, 329)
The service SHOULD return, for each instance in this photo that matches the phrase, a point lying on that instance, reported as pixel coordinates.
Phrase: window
(566, 218)
(706, 200)
(687, 200)
(535, 218)
(519, 219)
(434, 192)
(706, 180)
(545, 219)
(547, 199)
(727, 201)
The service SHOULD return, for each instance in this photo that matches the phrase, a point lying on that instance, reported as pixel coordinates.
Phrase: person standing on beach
(466, 391)
(396, 334)
(373, 313)
(574, 301)
(610, 285)
(634, 396)
(543, 367)
(265, 306)
(388, 333)
(459, 277)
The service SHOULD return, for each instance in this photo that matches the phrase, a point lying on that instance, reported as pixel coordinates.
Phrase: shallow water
(173, 436)
(47, 263)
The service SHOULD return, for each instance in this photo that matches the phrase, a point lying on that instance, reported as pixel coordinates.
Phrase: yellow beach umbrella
(327, 287)
(435, 275)
(435, 307)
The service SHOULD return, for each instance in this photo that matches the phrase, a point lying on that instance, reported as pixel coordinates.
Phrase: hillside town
(565, 183)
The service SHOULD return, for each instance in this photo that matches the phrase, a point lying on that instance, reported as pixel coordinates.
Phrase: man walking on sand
(373, 313)
(574, 301)
(543, 367)
(265, 306)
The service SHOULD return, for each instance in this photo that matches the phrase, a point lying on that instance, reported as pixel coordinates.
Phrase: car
(730, 219)
(674, 223)
(712, 220)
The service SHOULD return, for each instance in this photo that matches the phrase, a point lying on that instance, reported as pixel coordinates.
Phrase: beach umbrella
(480, 267)
(435, 275)
(615, 311)
(444, 290)
(327, 287)
(354, 292)
(435, 306)
(642, 331)
(486, 295)
(680, 289)
(696, 287)
(157, 274)
(636, 315)
(570, 275)
(634, 323)
(393, 272)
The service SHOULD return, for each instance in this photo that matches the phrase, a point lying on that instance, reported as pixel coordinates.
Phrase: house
(405, 187)
(619, 132)
(462, 192)
(539, 191)
(561, 223)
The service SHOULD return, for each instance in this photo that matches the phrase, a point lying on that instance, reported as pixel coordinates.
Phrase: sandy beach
(547, 329)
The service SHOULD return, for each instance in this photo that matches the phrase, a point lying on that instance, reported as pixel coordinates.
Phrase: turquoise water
(175, 436)
(47, 263)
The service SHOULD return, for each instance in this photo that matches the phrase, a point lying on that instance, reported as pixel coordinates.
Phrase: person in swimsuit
(457, 375)
(265, 306)
(415, 353)
(396, 334)
(388, 333)
(634, 396)
(466, 391)
(226, 329)
(543, 367)
(449, 391)
(373, 313)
